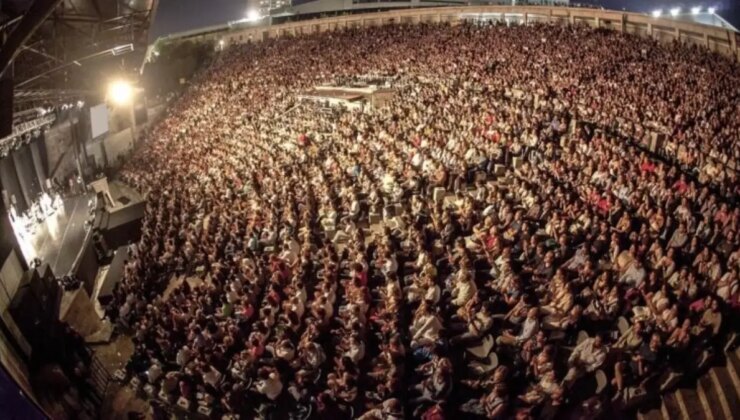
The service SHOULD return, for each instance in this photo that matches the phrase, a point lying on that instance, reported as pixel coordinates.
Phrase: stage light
(657, 13)
(253, 15)
(221, 42)
(712, 10)
(120, 92)
(675, 11)
(695, 10)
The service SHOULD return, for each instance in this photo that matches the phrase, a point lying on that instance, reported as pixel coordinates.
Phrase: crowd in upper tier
(499, 239)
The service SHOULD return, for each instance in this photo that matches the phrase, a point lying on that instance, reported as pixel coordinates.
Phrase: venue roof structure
(59, 51)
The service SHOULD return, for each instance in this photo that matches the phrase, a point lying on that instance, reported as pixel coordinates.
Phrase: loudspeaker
(6, 107)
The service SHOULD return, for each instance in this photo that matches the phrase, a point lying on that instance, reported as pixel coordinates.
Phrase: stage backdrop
(10, 183)
(29, 181)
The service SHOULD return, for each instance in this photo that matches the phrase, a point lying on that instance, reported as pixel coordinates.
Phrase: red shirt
(680, 186)
(257, 351)
(647, 166)
(248, 311)
(491, 241)
(362, 278)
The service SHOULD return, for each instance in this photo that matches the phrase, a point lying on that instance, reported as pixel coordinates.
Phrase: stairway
(716, 396)
(100, 378)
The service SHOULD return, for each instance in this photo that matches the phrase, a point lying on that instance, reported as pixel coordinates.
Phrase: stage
(58, 239)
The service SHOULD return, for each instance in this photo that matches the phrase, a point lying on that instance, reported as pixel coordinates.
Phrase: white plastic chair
(482, 350)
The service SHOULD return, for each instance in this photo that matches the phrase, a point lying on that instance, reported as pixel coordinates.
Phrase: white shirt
(183, 356)
(462, 292)
(390, 266)
(591, 358)
(270, 387)
(529, 329)
(212, 377)
(356, 352)
(154, 373)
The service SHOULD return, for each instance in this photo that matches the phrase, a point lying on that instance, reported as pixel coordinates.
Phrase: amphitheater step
(654, 414)
(722, 382)
(671, 408)
(711, 397)
(663, 411)
(733, 367)
(691, 405)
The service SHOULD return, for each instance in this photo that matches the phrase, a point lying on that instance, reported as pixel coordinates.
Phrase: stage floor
(58, 240)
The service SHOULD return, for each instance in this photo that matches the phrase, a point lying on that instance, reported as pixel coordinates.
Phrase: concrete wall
(118, 146)
(718, 39)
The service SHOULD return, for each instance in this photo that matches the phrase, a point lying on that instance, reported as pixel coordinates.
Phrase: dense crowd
(488, 242)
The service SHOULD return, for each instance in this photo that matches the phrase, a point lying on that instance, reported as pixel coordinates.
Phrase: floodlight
(695, 10)
(253, 15)
(675, 11)
(120, 92)
(657, 13)
(712, 10)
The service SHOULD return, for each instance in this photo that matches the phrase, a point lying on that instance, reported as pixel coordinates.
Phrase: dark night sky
(728, 9)
(183, 15)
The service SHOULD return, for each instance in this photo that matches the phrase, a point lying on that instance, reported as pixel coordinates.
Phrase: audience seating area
(501, 239)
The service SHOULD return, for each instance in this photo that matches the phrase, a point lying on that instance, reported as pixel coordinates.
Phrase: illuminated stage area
(57, 238)
(55, 229)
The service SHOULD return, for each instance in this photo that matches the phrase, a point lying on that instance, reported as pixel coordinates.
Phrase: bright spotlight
(695, 10)
(712, 10)
(657, 13)
(675, 11)
(253, 15)
(120, 92)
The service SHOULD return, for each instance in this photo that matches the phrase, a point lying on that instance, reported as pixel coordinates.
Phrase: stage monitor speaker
(123, 224)
(114, 274)
(6, 107)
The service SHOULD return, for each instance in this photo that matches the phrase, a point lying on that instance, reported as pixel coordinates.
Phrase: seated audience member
(587, 356)
(529, 327)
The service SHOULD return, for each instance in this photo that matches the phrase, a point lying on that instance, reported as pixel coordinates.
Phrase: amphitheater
(489, 211)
